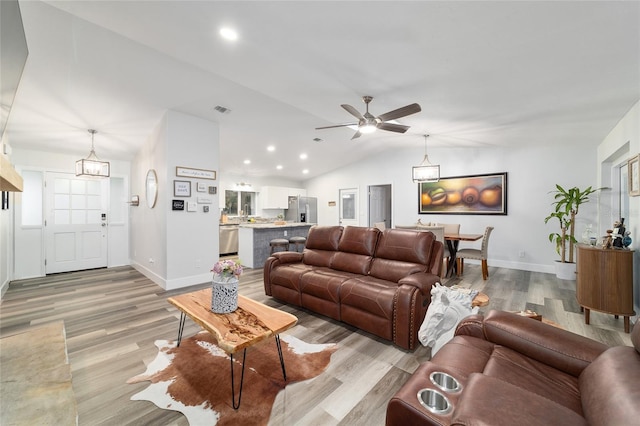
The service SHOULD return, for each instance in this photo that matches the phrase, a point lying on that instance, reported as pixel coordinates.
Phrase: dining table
(453, 240)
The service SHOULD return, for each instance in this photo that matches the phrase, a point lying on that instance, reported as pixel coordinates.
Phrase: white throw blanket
(448, 306)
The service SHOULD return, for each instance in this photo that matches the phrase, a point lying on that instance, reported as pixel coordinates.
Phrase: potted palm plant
(566, 204)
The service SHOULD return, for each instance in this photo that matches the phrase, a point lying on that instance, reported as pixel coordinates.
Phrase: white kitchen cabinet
(297, 191)
(274, 197)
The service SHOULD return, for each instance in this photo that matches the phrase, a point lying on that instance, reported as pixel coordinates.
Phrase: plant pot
(224, 295)
(565, 271)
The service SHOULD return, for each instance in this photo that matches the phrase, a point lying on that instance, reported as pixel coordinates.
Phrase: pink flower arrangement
(227, 269)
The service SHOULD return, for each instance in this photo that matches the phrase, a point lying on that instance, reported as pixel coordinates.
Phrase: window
(238, 203)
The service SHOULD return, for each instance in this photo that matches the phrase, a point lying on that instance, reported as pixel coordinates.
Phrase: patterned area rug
(195, 378)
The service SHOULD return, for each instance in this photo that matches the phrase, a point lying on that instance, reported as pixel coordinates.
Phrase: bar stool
(298, 241)
(279, 242)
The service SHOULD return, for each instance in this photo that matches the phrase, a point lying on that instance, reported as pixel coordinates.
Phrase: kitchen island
(254, 238)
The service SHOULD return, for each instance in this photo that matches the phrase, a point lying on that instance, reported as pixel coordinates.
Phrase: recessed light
(271, 148)
(305, 171)
(303, 156)
(279, 167)
(228, 34)
(247, 161)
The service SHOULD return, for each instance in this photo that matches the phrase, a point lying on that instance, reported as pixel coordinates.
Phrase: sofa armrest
(287, 256)
(422, 280)
(559, 348)
(279, 258)
(471, 325)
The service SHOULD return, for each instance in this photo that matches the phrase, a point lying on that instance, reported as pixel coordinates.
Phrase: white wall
(176, 248)
(532, 173)
(622, 143)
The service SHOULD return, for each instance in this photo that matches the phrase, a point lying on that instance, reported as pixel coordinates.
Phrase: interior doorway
(380, 205)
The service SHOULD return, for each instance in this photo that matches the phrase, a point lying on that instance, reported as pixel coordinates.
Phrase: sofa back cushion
(355, 250)
(321, 246)
(610, 387)
(400, 253)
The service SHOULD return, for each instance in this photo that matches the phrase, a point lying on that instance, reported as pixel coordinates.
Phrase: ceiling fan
(367, 123)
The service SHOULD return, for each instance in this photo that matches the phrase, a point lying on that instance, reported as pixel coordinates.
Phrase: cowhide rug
(195, 378)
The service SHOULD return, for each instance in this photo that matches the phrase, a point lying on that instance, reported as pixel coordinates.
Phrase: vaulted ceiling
(485, 74)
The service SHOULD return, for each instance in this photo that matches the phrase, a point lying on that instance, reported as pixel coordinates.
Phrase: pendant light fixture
(92, 166)
(426, 172)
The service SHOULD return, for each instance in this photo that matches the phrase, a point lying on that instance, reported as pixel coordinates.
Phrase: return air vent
(221, 109)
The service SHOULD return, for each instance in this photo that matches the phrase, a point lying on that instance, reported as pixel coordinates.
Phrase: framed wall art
(195, 173)
(474, 194)
(634, 176)
(181, 188)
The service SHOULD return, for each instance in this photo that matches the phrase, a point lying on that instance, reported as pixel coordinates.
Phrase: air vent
(222, 110)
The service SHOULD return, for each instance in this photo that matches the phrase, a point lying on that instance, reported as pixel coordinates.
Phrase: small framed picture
(201, 187)
(213, 190)
(181, 188)
(177, 205)
(634, 176)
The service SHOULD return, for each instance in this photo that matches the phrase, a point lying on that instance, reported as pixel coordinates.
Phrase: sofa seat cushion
(368, 303)
(517, 406)
(609, 387)
(321, 290)
(535, 377)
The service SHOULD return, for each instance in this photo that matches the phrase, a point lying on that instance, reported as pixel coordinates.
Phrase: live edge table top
(251, 323)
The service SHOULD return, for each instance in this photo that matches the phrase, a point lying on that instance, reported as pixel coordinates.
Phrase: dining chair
(471, 253)
(450, 228)
(438, 232)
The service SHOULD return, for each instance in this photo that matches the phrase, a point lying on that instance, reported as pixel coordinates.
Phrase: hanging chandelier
(92, 166)
(426, 172)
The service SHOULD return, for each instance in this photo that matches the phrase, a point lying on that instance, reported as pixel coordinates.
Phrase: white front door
(75, 222)
(349, 207)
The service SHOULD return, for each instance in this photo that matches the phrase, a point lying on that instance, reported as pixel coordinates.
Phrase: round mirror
(151, 188)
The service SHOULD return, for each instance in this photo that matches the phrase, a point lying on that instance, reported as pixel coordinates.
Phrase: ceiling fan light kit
(426, 172)
(92, 166)
(367, 123)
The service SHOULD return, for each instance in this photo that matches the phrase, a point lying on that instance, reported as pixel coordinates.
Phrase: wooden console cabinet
(604, 281)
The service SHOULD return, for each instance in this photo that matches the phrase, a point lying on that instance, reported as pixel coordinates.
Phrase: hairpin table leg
(284, 373)
(233, 391)
(183, 318)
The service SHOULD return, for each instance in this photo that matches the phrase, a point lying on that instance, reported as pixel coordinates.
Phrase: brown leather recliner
(378, 281)
(514, 370)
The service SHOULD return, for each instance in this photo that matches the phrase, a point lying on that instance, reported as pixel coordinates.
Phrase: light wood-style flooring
(113, 316)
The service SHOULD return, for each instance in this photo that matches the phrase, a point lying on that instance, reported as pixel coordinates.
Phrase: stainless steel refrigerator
(302, 209)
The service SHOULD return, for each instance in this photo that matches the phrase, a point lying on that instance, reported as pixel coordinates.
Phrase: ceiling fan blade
(356, 135)
(400, 112)
(398, 128)
(337, 125)
(351, 110)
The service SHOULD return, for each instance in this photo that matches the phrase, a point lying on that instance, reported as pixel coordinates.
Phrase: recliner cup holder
(434, 401)
(445, 381)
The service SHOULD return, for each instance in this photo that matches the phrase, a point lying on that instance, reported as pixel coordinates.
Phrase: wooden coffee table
(250, 324)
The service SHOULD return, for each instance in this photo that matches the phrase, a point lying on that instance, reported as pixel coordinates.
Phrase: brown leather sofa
(514, 370)
(378, 281)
